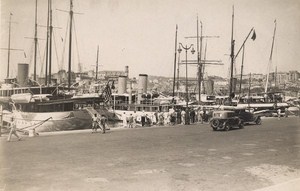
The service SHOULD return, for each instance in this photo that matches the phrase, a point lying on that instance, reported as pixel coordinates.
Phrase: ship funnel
(122, 81)
(127, 71)
(234, 83)
(209, 87)
(130, 93)
(22, 74)
(142, 86)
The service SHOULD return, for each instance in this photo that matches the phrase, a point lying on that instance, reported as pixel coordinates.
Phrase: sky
(141, 34)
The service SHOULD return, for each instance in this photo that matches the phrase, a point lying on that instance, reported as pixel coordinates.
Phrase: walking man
(13, 130)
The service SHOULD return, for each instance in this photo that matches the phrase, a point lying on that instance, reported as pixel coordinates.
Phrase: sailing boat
(268, 101)
(54, 111)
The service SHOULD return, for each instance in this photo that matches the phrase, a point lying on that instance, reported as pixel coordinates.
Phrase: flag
(106, 93)
(25, 55)
(254, 35)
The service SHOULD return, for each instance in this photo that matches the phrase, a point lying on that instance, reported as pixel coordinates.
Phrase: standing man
(286, 112)
(187, 116)
(124, 118)
(178, 116)
(94, 123)
(13, 130)
(134, 119)
(183, 117)
(130, 121)
(156, 116)
(103, 121)
(161, 118)
(192, 115)
(278, 113)
(143, 118)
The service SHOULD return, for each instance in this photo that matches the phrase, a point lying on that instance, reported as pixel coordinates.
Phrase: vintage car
(248, 117)
(225, 120)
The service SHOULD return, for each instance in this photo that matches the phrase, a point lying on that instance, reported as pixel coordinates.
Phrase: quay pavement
(168, 158)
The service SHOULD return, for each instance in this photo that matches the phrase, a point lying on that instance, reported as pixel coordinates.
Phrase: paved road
(158, 158)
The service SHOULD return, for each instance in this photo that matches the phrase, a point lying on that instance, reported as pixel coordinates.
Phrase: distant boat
(121, 106)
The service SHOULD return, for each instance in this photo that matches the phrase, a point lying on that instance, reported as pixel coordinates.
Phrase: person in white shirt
(183, 117)
(94, 123)
(13, 130)
(124, 118)
(278, 113)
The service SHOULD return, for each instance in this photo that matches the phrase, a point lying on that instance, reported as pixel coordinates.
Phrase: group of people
(286, 113)
(98, 122)
(183, 116)
(131, 120)
(172, 117)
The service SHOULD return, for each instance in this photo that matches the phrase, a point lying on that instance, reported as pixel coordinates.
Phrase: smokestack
(142, 86)
(122, 84)
(130, 93)
(127, 71)
(209, 87)
(234, 82)
(22, 74)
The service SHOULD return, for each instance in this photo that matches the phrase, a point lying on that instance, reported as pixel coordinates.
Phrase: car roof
(224, 111)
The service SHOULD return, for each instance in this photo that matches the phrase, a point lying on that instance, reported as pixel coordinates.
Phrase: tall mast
(175, 56)
(270, 59)
(203, 67)
(178, 74)
(249, 91)
(50, 39)
(8, 50)
(199, 53)
(242, 67)
(47, 45)
(35, 42)
(70, 44)
(97, 63)
(232, 58)
(275, 77)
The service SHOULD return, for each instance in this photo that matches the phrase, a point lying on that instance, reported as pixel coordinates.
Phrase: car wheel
(227, 127)
(258, 121)
(215, 124)
(241, 124)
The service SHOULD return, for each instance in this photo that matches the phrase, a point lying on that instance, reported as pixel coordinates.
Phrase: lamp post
(186, 48)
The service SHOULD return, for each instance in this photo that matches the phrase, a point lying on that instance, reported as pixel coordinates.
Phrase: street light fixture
(186, 48)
